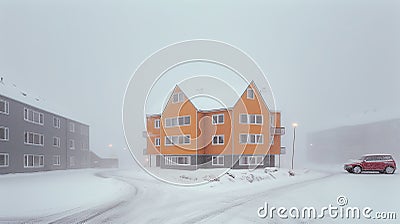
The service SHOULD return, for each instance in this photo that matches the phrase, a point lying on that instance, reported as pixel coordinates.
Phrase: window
(56, 160)
(250, 93)
(85, 146)
(218, 140)
(177, 140)
(71, 144)
(251, 139)
(177, 160)
(72, 127)
(243, 118)
(4, 159)
(157, 141)
(272, 120)
(218, 119)
(56, 122)
(4, 134)
(33, 116)
(32, 138)
(218, 160)
(33, 161)
(177, 121)
(56, 142)
(178, 97)
(251, 119)
(157, 123)
(251, 160)
(4, 107)
(72, 161)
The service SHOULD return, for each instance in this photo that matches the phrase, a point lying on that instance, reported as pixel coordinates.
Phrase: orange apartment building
(247, 134)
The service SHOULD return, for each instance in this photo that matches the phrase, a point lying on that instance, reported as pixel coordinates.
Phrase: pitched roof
(14, 92)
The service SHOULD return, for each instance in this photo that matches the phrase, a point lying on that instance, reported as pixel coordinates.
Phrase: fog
(329, 64)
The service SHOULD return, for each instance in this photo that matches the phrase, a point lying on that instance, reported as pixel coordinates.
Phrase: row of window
(177, 140)
(37, 117)
(216, 119)
(251, 119)
(177, 160)
(32, 138)
(215, 160)
(33, 161)
(216, 139)
(178, 97)
(177, 121)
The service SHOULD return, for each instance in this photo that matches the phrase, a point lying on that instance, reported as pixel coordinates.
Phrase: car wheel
(389, 170)
(357, 169)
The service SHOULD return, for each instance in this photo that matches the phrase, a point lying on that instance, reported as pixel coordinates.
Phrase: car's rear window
(387, 157)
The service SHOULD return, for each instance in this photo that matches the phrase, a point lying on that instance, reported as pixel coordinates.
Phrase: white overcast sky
(329, 63)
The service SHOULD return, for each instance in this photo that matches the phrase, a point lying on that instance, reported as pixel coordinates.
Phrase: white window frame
(250, 137)
(218, 139)
(180, 97)
(174, 121)
(174, 160)
(6, 159)
(27, 135)
(58, 142)
(27, 111)
(157, 123)
(272, 120)
(6, 136)
(249, 118)
(71, 127)
(216, 160)
(71, 146)
(248, 96)
(34, 164)
(157, 141)
(177, 140)
(56, 122)
(217, 116)
(56, 160)
(6, 107)
(251, 161)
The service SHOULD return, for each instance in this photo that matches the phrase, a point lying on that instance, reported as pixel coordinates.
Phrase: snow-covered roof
(14, 92)
(377, 154)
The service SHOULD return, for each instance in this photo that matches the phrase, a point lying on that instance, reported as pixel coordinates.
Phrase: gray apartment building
(32, 139)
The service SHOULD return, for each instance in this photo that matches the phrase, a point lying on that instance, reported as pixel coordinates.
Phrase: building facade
(247, 134)
(32, 139)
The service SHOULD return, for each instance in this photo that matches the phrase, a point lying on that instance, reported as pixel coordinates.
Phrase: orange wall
(208, 130)
(251, 106)
(201, 128)
(276, 147)
(175, 110)
(152, 133)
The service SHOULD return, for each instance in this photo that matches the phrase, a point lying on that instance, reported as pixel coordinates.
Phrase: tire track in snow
(208, 216)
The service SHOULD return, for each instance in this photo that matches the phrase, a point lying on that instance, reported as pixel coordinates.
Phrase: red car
(384, 163)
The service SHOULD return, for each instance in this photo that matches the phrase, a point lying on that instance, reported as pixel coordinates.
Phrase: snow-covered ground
(39, 194)
(133, 196)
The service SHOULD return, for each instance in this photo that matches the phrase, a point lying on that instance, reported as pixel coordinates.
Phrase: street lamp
(294, 125)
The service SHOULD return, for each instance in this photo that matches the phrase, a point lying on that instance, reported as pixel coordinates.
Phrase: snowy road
(234, 200)
(157, 202)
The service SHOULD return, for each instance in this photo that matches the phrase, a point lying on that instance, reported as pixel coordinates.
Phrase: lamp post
(294, 125)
